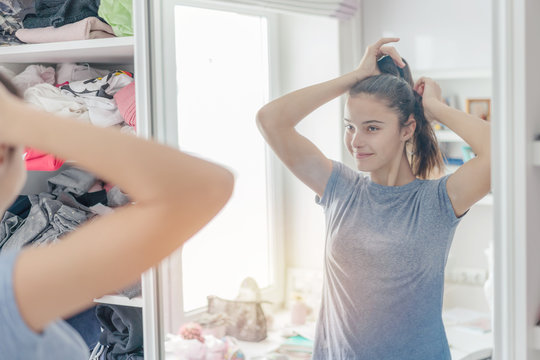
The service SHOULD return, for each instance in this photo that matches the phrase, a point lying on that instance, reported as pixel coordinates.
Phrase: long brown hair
(395, 87)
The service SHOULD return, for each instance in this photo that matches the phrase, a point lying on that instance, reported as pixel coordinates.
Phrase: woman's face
(372, 133)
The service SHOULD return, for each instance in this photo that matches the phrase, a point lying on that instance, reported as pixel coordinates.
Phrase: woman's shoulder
(341, 184)
(346, 172)
(17, 340)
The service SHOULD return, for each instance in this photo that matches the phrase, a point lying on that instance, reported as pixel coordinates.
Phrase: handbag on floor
(247, 320)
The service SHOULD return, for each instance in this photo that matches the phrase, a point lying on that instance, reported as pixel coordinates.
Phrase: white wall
(309, 53)
(435, 34)
(472, 238)
(453, 39)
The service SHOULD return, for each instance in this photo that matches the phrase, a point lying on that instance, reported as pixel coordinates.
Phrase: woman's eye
(349, 127)
(372, 128)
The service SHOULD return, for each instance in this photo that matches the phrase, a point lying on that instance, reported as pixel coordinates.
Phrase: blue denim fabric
(60, 12)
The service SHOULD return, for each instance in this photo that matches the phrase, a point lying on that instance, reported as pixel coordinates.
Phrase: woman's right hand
(368, 64)
(431, 96)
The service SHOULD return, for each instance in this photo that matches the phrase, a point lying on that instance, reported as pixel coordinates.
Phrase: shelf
(452, 74)
(536, 153)
(120, 300)
(448, 136)
(111, 51)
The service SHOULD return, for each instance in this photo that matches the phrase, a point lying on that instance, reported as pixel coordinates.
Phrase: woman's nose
(357, 140)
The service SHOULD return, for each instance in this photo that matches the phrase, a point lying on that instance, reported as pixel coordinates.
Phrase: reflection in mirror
(375, 253)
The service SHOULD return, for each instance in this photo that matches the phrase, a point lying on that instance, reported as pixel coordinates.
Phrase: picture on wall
(479, 107)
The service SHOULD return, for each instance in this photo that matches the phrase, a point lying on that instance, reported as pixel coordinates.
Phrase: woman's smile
(362, 155)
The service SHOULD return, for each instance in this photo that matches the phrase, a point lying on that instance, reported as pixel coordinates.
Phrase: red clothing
(39, 161)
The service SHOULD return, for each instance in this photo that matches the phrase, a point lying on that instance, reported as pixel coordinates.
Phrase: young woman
(175, 195)
(388, 235)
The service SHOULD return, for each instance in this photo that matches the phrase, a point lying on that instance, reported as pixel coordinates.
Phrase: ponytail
(426, 156)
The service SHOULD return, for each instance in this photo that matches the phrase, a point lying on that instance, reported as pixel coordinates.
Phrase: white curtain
(341, 9)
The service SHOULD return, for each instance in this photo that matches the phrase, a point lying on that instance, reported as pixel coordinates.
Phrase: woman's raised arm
(277, 119)
(472, 181)
(174, 196)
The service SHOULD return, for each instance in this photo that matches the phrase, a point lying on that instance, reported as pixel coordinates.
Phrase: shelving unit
(120, 300)
(99, 51)
(108, 51)
(105, 52)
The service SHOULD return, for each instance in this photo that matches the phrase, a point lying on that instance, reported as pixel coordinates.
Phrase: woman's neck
(396, 173)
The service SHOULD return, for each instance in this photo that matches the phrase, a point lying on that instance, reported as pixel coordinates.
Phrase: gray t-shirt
(386, 249)
(18, 341)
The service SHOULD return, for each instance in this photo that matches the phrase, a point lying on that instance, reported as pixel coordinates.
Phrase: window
(223, 79)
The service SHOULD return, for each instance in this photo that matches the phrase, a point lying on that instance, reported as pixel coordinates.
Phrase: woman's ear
(407, 131)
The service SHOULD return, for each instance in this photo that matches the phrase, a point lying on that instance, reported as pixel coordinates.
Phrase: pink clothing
(88, 28)
(39, 161)
(125, 100)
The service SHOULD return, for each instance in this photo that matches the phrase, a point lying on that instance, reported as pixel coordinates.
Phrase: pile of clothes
(74, 197)
(101, 97)
(43, 21)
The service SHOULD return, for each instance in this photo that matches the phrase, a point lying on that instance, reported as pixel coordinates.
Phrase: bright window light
(222, 67)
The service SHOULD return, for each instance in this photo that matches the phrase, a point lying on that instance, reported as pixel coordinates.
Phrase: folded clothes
(89, 28)
(118, 14)
(60, 12)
